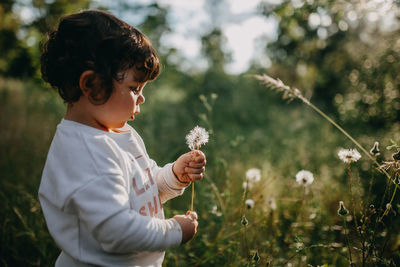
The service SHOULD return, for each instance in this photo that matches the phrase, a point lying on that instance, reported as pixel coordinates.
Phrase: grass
(252, 132)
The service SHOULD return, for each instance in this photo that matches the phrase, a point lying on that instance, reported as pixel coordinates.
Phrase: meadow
(285, 224)
(283, 184)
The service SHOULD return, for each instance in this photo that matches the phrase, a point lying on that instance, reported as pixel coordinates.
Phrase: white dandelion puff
(215, 211)
(349, 155)
(249, 203)
(271, 203)
(196, 137)
(253, 175)
(304, 178)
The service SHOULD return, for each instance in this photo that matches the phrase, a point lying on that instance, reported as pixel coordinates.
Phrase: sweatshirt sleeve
(103, 208)
(168, 185)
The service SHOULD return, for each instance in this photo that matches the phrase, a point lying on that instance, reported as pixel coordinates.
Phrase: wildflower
(349, 155)
(271, 202)
(304, 178)
(244, 221)
(388, 206)
(215, 211)
(249, 203)
(253, 175)
(342, 211)
(256, 257)
(197, 136)
(375, 149)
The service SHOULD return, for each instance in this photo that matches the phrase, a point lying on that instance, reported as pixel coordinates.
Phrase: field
(289, 224)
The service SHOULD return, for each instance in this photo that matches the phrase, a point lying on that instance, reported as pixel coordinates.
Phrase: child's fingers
(192, 214)
(194, 170)
(197, 164)
(198, 156)
(195, 177)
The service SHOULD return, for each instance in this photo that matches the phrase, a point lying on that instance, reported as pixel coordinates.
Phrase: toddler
(100, 193)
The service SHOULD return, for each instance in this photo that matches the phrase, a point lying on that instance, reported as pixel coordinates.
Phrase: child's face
(123, 104)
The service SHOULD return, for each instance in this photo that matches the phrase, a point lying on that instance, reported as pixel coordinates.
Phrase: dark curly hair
(98, 41)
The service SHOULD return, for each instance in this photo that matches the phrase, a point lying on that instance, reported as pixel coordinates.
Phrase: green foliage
(354, 82)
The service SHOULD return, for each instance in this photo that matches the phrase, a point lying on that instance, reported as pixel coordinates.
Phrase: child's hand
(190, 166)
(188, 225)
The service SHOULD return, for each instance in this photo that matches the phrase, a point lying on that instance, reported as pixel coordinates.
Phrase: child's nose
(140, 99)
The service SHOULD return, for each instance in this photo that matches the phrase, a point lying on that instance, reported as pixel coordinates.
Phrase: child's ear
(87, 82)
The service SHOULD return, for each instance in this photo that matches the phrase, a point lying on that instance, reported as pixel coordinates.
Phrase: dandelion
(396, 156)
(197, 136)
(256, 257)
(304, 178)
(249, 203)
(215, 211)
(349, 155)
(375, 149)
(271, 203)
(253, 175)
(244, 221)
(342, 211)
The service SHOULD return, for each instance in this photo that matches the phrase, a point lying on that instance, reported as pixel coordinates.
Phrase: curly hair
(98, 41)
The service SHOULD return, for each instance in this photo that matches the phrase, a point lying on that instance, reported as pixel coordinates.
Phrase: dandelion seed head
(215, 211)
(196, 137)
(349, 155)
(256, 257)
(271, 202)
(396, 156)
(244, 221)
(375, 149)
(304, 178)
(249, 203)
(253, 175)
(342, 211)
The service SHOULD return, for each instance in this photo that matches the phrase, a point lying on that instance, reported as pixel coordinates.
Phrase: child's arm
(173, 178)
(104, 212)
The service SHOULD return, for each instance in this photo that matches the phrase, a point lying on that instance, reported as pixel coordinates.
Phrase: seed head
(304, 178)
(271, 202)
(396, 156)
(278, 85)
(256, 257)
(349, 155)
(244, 221)
(375, 149)
(342, 211)
(249, 203)
(196, 137)
(253, 175)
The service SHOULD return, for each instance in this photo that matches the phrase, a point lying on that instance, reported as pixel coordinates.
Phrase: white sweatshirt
(101, 196)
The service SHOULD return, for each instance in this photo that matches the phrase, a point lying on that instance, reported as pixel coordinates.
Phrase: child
(100, 192)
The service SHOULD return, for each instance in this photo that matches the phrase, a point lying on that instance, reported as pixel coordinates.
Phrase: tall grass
(288, 225)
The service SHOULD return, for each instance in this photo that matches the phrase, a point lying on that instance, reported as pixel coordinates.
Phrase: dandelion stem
(191, 205)
(347, 240)
(352, 200)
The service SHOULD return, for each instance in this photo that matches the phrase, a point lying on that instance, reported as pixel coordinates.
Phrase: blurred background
(342, 55)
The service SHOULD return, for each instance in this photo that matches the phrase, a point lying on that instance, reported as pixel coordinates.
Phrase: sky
(245, 29)
(239, 21)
